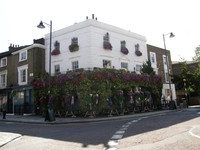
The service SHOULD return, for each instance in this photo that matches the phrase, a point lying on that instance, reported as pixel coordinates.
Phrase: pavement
(6, 137)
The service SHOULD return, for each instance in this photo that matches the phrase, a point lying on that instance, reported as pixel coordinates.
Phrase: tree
(147, 69)
(197, 52)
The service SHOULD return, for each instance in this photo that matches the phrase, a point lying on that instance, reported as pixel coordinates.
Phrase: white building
(91, 37)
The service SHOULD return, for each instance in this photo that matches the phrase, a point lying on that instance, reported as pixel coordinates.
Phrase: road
(167, 131)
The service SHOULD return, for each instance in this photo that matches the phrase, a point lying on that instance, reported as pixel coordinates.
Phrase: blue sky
(150, 18)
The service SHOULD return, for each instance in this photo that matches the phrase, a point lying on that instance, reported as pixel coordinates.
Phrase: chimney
(11, 47)
(38, 41)
(87, 17)
(92, 16)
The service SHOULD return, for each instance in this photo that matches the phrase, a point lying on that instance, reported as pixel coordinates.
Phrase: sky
(150, 18)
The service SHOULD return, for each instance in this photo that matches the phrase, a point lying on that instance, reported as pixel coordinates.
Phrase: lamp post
(41, 26)
(171, 35)
(49, 115)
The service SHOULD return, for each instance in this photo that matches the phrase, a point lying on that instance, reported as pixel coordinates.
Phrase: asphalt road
(174, 130)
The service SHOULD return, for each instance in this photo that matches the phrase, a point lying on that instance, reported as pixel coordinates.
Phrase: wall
(90, 40)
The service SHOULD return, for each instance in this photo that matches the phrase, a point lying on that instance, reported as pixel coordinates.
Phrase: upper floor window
(106, 42)
(75, 65)
(165, 61)
(3, 79)
(3, 62)
(23, 56)
(74, 45)
(124, 65)
(23, 75)
(153, 57)
(106, 64)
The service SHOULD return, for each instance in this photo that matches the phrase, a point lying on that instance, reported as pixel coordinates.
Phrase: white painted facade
(91, 53)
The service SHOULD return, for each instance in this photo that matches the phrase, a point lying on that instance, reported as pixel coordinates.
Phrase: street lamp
(49, 116)
(41, 26)
(171, 35)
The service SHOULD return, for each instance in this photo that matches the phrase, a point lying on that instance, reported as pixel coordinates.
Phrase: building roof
(95, 23)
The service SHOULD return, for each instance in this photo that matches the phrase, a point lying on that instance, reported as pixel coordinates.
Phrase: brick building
(158, 58)
(18, 66)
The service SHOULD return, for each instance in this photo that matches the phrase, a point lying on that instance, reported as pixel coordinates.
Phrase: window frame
(75, 65)
(136, 68)
(3, 84)
(21, 79)
(124, 63)
(21, 56)
(1, 63)
(57, 70)
(108, 62)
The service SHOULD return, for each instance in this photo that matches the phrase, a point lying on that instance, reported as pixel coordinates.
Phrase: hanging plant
(74, 45)
(124, 50)
(56, 50)
(106, 42)
(137, 50)
(107, 45)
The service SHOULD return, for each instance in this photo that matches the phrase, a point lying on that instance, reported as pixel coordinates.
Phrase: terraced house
(18, 65)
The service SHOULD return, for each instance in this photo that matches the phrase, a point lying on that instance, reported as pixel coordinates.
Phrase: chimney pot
(92, 16)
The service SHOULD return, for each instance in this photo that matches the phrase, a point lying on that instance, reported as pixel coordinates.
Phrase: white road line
(116, 137)
(119, 134)
(192, 134)
(134, 121)
(125, 126)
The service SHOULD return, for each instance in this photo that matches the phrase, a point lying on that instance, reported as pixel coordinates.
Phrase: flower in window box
(124, 50)
(137, 50)
(106, 42)
(107, 45)
(74, 45)
(138, 53)
(55, 52)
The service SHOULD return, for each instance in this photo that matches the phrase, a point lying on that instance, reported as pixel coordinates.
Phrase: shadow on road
(99, 132)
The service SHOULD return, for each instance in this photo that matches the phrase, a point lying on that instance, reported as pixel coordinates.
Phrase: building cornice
(97, 24)
(29, 47)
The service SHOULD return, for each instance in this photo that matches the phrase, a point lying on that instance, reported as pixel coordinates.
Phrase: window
(106, 64)
(23, 56)
(75, 65)
(124, 65)
(153, 57)
(166, 77)
(22, 75)
(3, 62)
(57, 68)
(3, 80)
(138, 68)
(165, 60)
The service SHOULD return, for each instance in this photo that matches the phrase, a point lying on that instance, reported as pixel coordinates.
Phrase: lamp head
(41, 25)
(171, 35)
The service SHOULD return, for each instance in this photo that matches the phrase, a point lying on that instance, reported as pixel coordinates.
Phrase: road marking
(125, 126)
(120, 132)
(118, 135)
(192, 134)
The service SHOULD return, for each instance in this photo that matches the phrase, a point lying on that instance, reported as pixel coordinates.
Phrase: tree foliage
(147, 69)
(189, 77)
(197, 53)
